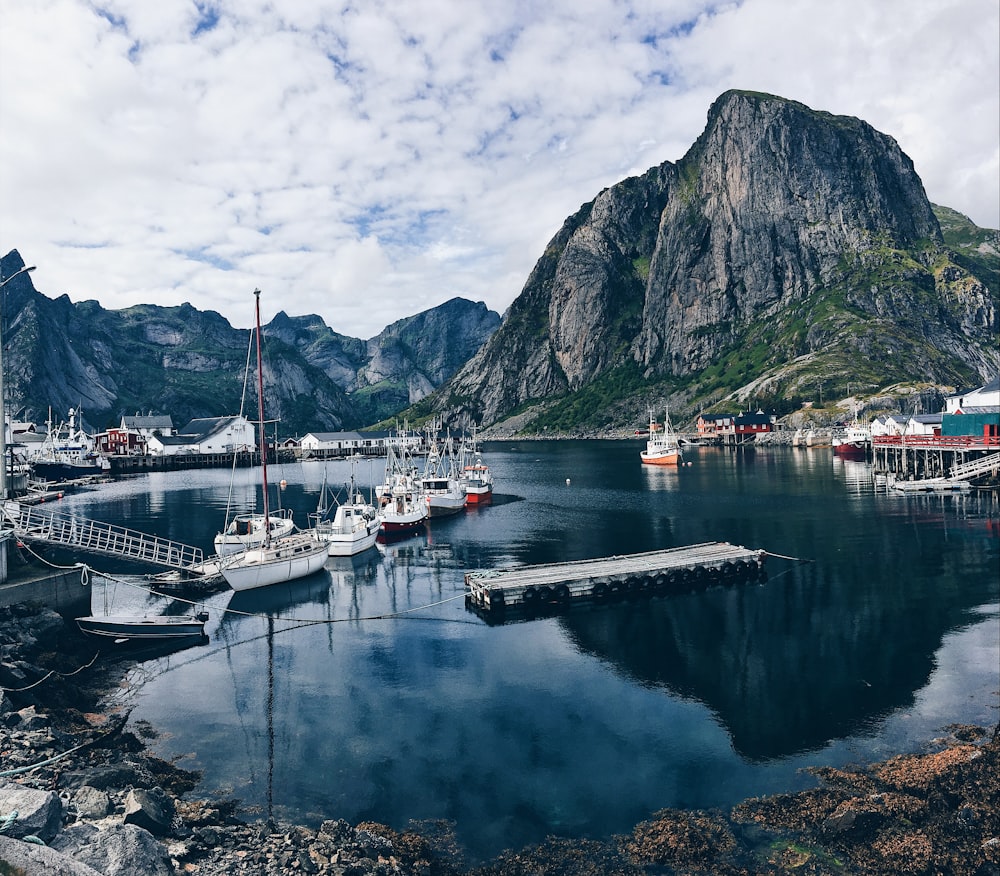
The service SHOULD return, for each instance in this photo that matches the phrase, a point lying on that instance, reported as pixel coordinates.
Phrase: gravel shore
(81, 794)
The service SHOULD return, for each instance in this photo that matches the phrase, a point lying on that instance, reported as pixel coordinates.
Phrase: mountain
(790, 255)
(190, 363)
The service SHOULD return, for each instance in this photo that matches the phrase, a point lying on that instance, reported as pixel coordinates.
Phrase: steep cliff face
(775, 197)
(787, 248)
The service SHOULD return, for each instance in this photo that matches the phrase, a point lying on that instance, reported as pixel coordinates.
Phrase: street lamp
(3, 406)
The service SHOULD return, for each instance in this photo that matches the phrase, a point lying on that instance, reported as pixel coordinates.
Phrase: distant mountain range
(190, 363)
(790, 255)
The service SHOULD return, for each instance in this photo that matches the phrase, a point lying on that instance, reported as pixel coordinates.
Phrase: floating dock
(677, 570)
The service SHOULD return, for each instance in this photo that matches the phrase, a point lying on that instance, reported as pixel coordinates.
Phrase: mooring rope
(49, 675)
(783, 557)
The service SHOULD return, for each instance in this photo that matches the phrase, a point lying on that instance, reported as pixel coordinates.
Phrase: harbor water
(370, 692)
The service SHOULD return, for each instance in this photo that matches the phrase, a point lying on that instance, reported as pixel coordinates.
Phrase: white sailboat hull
(284, 560)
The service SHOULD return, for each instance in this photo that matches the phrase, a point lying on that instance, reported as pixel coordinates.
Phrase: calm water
(584, 724)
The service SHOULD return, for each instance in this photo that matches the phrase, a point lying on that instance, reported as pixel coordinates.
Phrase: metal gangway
(51, 527)
(975, 467)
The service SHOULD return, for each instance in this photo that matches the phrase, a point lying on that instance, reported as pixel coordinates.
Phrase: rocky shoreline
(80, 794)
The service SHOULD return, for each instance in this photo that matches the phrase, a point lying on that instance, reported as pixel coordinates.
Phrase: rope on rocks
(57, 757)
(49, 675)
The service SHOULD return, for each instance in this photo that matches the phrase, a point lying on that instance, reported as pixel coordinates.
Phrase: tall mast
(260, 417)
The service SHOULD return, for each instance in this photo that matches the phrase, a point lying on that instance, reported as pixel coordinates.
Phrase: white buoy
(567, 482)
(282, 483)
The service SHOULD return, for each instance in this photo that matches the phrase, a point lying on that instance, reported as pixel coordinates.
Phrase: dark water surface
(583, 724)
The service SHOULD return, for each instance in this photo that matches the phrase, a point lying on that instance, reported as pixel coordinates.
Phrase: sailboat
(662, 448)
(274, 560)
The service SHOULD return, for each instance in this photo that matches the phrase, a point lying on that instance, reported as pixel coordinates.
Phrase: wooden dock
(677, 570)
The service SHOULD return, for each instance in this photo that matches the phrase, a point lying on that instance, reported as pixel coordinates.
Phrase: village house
(131, 436)
(212, 435)
(740, 426)
(334, 444)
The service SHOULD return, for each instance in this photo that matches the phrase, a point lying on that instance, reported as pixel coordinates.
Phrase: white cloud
(366, 161)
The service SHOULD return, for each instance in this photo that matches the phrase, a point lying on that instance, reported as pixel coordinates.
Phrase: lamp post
(3, 404)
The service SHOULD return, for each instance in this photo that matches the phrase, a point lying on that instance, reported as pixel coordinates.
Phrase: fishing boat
(477, 479)
(274, 560)
(441, 483)
(130, 628)
(347, 528)
(402, 506)
(67, 453)
(854, 442)
(662, 446)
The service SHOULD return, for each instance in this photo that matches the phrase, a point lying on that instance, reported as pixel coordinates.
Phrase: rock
(39, 813)
(46, 624)
(28, 859)
(31, 720)
(152, 809)
(91, 802)
(118, 850)
(120, 775)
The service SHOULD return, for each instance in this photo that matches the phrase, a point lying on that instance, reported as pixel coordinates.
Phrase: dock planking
(675, 570)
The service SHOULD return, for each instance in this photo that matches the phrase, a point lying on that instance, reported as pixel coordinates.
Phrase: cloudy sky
(367, 160)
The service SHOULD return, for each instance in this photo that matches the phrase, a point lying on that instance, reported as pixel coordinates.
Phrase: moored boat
(662, 446)
(351, 528)
(853, 443)
(401, 503)
(247, 531)
(274, 560)
(477, 479)
(143, 628)
(441, 484)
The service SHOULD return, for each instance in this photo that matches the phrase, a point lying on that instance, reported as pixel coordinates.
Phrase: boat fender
(562, 593)
(530, 595)
(544, 593)
(600, 590)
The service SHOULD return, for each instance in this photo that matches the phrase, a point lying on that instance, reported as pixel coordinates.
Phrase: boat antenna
(260, 414)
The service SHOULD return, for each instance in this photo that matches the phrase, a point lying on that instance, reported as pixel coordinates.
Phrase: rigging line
(243, 398)
(50, 673)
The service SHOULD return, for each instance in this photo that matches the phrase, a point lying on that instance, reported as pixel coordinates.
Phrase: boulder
(117, 850)
(91, 802)
(120, 775)
(39, 813)
(29, 859)
(152, 809)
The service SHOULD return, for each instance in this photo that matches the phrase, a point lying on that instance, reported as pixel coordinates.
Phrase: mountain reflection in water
(373, 694)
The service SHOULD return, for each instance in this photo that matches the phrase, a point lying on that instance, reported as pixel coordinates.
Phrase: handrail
(945, 442)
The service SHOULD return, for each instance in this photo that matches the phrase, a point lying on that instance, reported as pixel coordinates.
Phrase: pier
(32, 524)
(676, 570)
(928, 457)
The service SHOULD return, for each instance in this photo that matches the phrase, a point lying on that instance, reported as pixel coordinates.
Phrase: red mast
(260, 417)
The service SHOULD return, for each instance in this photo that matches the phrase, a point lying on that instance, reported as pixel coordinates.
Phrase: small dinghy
(130, 628)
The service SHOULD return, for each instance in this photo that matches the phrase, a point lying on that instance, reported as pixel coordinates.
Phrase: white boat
(247, 531)
(144, 628)
(441, 485)
(274, 560)
(662, 446)
(352, 527)
(477, 479)
(401, 503)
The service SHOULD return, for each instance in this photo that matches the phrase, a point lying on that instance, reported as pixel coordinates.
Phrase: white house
(973, 400)
(207, 435)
